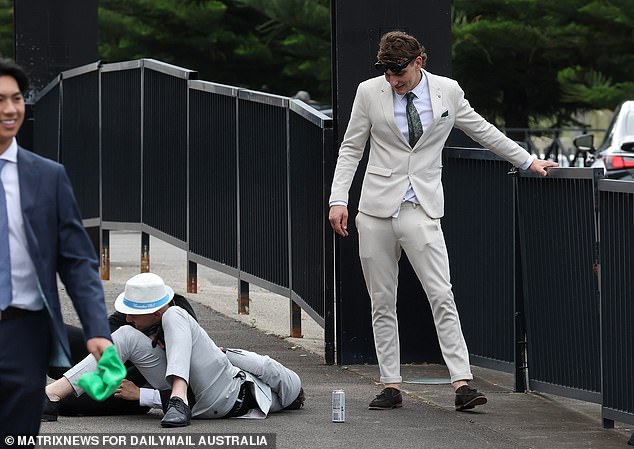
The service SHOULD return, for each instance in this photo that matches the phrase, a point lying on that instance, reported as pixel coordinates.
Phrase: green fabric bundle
(102, 383)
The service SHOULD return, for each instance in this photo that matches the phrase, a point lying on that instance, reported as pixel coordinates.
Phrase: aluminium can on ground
(338, 406)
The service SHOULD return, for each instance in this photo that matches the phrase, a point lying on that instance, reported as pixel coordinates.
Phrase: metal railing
(558, 238)
(479, 198)
(616, 199)
(221, 172)
(526, 253)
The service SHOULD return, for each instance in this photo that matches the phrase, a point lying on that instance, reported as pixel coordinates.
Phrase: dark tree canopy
(519, 61)
(275, 46)
(525, 60)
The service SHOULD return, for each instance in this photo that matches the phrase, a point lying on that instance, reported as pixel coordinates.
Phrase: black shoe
(50, 411)
(467, 398)
(631, 442)
(388, 399)
(298, 402)
(178, 414)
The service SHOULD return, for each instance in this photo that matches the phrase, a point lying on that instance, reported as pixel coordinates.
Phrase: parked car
(616, 153)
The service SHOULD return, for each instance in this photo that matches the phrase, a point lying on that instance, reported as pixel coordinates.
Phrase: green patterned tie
(414, 125)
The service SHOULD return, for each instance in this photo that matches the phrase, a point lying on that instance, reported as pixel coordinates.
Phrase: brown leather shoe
(388, 399)
(467, 398)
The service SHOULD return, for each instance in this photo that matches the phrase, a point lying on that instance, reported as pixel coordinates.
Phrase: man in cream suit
(407, 114)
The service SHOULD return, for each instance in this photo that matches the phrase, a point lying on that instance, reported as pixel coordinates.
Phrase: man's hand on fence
(540, 166)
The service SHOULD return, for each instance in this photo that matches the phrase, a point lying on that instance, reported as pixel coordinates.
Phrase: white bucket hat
(144, 293)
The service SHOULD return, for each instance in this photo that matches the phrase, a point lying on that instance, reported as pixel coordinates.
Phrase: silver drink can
(338, 406)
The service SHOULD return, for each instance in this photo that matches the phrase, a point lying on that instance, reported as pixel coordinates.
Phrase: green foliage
(296, 38)
(523, 60)
(592, 88)
(7, 43)
(200, 35)
(276, 46)
(519, 61)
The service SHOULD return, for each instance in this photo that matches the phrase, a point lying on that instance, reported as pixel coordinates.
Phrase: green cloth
(102, 383)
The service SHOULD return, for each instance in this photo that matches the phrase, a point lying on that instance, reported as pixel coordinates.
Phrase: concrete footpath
(427, 419)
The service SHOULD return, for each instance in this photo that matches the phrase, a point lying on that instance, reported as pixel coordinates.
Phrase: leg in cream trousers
(381, 241)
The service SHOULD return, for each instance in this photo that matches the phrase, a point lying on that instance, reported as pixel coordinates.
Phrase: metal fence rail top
(311, 114)
(124, 65)
(566, 173)
(49, 87)
(169, 69)
(214, 88)
(552, 130)
(77, 71)
(472, 153)
(262, 97)
(307, 112)
(613, 185)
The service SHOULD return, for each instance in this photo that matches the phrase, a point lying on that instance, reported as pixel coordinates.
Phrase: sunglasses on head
(392, 66)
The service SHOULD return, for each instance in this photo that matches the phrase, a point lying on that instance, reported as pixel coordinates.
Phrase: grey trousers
(214, 377)
(381, 241)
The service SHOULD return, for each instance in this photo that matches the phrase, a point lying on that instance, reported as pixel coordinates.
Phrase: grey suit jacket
(392, 163)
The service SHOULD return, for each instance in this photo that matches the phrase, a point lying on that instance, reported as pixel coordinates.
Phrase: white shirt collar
(11, 153)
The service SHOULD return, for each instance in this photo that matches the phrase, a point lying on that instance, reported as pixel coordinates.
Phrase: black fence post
(192, 277)
(296, 320)
(145, 252)
(243, 297)
(521, 360)
(104, 259)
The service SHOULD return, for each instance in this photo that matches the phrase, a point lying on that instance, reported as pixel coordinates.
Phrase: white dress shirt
(422, 102)
(149, 397)
(25, 288)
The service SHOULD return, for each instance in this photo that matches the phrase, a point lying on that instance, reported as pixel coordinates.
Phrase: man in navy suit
(41, 236)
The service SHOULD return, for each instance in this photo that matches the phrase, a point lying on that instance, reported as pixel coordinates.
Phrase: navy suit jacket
(59, 244)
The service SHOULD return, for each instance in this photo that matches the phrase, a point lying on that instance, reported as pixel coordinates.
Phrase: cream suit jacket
(392, 164)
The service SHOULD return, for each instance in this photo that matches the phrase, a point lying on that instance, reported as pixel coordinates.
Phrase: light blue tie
(5, 257)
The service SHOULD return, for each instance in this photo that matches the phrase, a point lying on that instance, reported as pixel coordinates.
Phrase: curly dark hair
(398, 47)
(10, 68)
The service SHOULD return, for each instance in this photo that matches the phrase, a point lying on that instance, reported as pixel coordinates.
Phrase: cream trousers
(381, 241)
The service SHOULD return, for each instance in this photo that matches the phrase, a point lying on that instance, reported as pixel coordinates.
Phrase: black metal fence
(234, 177)
(121, 138)
(262, 130)
(616, 199)
(558, 229)
(79, 136)
(542, 270)
(480, 199)
(47, 135)
(213, 226)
